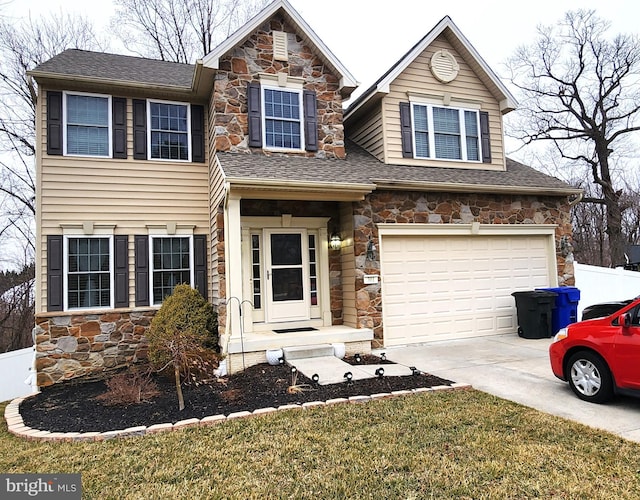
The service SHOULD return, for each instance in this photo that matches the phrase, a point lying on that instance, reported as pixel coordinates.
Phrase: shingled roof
(362, 168)
(101, 66)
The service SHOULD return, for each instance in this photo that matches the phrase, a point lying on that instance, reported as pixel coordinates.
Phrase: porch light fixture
(335, 242)
(380, 372)
(371, 250)
(348, 376)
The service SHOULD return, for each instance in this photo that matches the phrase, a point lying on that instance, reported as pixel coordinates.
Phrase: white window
(87, 125)
(171, 264)
(88, 272)
(169, 131)
(282, 118)
(446, 133)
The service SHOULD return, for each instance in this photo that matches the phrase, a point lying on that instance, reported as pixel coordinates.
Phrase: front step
(308, 351)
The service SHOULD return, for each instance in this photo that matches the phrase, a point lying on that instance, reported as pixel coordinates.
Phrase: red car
(600, 357)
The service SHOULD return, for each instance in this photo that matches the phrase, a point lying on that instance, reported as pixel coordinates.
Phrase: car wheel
(589, 377)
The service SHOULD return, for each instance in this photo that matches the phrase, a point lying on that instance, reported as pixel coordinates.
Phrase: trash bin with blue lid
(566, 310)
(534, 310)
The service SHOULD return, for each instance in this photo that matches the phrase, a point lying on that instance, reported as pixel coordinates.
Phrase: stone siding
(255, 56)
(447, 208)
(72, 345)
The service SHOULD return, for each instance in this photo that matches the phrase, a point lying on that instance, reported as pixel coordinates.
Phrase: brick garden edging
(16, 425)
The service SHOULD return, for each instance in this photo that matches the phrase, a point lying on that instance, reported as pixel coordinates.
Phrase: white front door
(287, 275)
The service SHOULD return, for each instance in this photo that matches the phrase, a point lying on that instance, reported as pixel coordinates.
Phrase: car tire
(590, 377)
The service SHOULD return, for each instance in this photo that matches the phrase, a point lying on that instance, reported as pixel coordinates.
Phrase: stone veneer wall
(72, 345)
(447, 208)
(255, 56)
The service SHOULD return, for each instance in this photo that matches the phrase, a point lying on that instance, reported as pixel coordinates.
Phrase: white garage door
(443, 287)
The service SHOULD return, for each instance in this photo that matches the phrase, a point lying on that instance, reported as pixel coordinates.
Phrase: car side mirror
(624, 320)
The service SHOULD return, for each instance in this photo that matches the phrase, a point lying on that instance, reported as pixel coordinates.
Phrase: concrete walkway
(518, 369)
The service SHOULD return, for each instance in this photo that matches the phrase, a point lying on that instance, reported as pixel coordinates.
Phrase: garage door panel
(438, 287)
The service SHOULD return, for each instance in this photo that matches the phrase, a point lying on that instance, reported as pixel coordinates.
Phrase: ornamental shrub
(182, 335)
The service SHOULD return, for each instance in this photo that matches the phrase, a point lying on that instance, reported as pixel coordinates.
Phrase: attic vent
(280, 52)
(444, 66)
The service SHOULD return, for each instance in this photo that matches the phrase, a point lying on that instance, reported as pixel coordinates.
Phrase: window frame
(65, 270)
(150, 130)
(431, 132)
(65, 139)
(263, 116)
(152, 269)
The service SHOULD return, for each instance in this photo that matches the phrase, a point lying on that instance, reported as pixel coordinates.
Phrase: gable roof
(347, 82)
(361, 172)
(447, 27)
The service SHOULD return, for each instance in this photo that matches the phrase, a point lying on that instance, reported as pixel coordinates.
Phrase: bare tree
(580, 92)
(179, 31)
(24, 45)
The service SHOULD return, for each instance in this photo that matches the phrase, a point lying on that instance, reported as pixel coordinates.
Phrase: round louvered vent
(444, 66)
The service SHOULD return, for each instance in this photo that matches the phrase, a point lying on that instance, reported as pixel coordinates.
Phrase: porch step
(307, 351)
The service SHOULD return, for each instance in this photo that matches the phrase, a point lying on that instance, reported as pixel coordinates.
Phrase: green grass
(463, 444)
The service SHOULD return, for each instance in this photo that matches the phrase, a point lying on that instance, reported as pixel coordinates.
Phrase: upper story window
(282, 119)
(169, 131)
(87, 124)
(446, 133)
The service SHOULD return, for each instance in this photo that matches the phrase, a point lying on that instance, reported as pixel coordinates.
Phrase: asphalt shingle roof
(115, 67)
(362, 168)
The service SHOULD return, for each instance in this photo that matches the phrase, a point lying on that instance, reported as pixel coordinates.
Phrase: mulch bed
(73, 407)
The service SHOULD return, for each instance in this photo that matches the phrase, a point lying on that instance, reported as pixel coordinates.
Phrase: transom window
(446, 133)
(89, 267)
(171, 264)
(282, 118)
(87, 123)
(169, 131)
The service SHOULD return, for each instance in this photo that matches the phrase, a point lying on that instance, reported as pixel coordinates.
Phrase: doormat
(291, 330)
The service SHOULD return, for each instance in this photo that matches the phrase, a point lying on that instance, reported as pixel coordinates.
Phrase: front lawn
(463, 444)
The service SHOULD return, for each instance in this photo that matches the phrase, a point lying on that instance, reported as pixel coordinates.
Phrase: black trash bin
(535, 310)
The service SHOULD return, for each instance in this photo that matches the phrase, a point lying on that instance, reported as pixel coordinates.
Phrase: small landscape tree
(182, 334)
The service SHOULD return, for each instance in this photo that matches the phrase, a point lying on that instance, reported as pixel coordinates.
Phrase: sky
(388, 29)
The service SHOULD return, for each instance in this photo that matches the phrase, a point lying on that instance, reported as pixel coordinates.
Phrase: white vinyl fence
(16, 376)
(601, 284)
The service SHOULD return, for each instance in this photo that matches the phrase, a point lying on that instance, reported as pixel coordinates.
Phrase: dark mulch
(73, 407)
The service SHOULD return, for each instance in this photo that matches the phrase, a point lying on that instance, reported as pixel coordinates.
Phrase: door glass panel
(286, 250)
(287, 284)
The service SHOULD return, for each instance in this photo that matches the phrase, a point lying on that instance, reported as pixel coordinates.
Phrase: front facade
(396, 221)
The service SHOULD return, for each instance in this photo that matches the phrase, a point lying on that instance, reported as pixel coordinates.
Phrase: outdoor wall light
(357, 358)
(371, 250)
(335, 242)
(380, 372)
(315, 377)
(348, 376)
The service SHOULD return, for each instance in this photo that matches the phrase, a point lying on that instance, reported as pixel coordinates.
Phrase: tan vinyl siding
(349, 313)
(417, 78)
(131, 194)
(368, 133)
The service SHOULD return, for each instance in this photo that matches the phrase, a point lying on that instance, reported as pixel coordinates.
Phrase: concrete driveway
(518, 369)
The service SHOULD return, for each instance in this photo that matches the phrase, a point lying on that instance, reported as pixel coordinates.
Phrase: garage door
(443, 287)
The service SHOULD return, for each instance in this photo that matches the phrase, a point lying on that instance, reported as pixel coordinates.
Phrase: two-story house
(396, 221)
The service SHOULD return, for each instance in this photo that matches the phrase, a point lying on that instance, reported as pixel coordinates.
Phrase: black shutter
(200, 263)
(121, 269)
(141, 249)
(140, 129)
(119, 125)
(310, 120)
(406, 131)
(254, 114)
(197, 133)
(54, 274)
(484, 135)
(54, 123)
